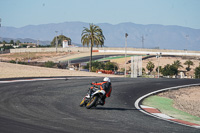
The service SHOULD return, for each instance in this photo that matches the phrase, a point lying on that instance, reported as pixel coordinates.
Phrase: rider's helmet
(106, 79)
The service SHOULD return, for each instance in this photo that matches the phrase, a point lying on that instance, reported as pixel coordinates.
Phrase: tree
(169, 70)
(143, 70)
(101, 65)
(150, 66)
(18, 42)
(95, 66)
(111, 66)
(197, 72)
(60, 39)
(188, 63)
(177, 64)
(160, 69)
(4, 42)
(92, 36)
(11, 42)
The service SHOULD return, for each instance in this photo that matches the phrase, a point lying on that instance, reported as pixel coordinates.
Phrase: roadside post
(158, 56)
(126, 35)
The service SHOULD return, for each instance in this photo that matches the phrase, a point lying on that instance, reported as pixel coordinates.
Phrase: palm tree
(197, 72)
(150, 66)
(177, 64)
(188, 63)
(92, 36)
(169, 70)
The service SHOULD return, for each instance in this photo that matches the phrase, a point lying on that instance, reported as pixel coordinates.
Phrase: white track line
(40, 79)
(160, 115)
(28, 80)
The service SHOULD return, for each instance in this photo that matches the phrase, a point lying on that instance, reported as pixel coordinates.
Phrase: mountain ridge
(139, 35)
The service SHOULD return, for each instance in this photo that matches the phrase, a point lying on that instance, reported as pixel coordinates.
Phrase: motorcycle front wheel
(92, 102)
(82, 102)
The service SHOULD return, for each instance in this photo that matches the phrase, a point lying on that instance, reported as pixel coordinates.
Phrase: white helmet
(106, 79)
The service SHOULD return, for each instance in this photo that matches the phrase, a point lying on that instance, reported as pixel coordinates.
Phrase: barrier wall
(191, 53)
(73, 49)
(110, 50)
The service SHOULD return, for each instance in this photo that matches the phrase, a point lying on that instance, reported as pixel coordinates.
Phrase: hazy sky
(19, 13)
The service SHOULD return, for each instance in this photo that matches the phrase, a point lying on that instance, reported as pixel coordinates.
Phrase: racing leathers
(107, 87)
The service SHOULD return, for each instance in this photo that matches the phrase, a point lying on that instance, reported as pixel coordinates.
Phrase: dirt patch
(185, 99)
(9, 70)
(32, 57)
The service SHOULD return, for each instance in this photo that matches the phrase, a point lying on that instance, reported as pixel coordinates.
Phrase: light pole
(158, 56)
(142, 41)
(143, 37)
(56, 41)
(126, 35)
(187, 45)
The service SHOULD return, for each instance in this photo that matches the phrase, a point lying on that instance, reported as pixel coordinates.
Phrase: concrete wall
(110, 50)
(74, 49)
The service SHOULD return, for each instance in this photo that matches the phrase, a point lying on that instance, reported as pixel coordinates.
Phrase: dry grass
(185, 99)
(40, 56)
(9, 70)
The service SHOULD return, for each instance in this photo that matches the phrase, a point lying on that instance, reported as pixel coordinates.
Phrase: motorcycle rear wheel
(92, 102)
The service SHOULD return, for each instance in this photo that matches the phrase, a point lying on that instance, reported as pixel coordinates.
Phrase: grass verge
(165, 105)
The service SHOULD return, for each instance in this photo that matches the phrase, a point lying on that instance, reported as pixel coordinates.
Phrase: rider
(107, 87)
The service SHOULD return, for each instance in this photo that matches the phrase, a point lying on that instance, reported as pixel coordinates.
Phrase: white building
(65, 43)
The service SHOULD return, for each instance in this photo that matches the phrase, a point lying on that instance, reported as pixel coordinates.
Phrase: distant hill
(153, 35)
(26, 40)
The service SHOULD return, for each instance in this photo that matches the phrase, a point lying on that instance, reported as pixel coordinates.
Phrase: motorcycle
(93, 97)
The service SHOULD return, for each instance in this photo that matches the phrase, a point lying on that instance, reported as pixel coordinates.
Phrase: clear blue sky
(19, 13)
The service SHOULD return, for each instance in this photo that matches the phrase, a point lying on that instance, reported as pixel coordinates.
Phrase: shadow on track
(107, 108)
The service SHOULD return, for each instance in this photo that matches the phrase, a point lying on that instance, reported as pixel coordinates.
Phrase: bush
(197, 72)
(49, 64)
(169, 70)
(122, 70)
(111, 66)
(95, 66)
(150, 66)
(23, 63)
(12, 61)
(100, 65)
(19, 62)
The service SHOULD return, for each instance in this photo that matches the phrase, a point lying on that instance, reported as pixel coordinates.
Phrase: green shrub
(12, 61)
(169, 70)
(100, 65)
(23, 63)
(197, 72)
(111, 66)
(49, 64)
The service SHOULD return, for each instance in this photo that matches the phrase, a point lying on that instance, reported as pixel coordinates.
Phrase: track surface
(87, 58)
(53, 107)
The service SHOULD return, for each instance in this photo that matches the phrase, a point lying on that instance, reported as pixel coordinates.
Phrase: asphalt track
(87, 58)
(53, 107)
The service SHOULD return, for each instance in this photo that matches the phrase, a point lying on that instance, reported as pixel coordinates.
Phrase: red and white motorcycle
(93, 97)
